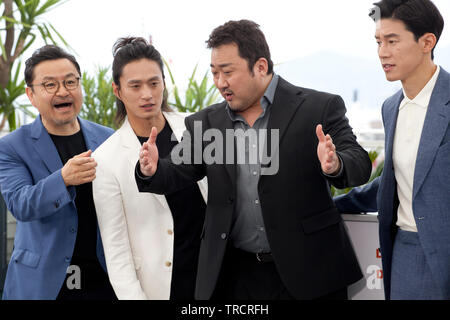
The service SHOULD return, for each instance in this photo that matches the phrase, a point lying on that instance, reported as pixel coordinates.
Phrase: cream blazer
(136, 228)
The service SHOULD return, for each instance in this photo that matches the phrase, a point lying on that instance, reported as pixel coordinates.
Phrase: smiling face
(401, 56)
(58, 110)
(141, 90)
(241, 88)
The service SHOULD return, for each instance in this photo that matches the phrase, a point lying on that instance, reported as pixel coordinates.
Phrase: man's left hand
(326, 152)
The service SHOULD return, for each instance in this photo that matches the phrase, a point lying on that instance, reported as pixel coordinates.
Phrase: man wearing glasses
(46, 172)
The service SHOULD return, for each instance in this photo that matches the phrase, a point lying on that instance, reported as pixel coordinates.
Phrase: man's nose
(62, 91)
(222, 83)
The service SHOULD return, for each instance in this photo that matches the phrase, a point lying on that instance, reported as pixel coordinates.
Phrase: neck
(252, 113)
(143, 127)
(417, 81)
(66, 129)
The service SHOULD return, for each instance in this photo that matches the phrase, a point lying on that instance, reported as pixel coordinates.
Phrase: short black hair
(129, 49)
(419, 16)
(45, 53)
(248, 37)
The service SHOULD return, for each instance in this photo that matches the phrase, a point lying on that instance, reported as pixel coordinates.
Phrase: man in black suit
(271, 229)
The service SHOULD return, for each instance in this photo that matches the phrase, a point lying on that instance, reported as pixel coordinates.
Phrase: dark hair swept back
(129, 49)
(249, 39)
(419, 16)
(45, 53)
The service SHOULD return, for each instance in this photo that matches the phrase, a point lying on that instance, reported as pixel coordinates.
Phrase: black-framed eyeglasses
(52, 86)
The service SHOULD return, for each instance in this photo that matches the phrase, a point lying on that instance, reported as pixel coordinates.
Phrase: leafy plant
(22, 26)
(99, 99)
(197, 95)
(373, 155)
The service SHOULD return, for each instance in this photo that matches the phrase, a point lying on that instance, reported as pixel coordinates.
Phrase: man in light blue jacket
(45, 178)
(412, 196)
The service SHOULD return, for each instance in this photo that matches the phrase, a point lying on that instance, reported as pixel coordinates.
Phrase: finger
(84, 154)
(319, 133)
(153, 135)
(82, 160)
(88, 173)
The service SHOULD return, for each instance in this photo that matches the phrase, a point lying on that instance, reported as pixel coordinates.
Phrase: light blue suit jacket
(431, 188)
(32, 186)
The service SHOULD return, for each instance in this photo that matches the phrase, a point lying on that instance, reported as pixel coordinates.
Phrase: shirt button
(254, 146)
(256, 201)
(223, 236)
(169, 232)
(73, 230)
(56, 205)
(255, 173)
(67, 259)
(168, 264)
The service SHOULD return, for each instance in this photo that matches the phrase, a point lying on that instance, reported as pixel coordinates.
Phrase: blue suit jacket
(47, 221)
(431, 188)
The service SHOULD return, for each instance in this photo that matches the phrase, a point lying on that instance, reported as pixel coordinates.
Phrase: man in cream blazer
(151, 242)
(136, 228)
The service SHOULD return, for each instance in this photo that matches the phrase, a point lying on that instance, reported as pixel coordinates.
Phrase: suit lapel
(44, 146)
(130, 146)
(391, 115)
(286, 102)
(219, 119)
(89, 134)
(436, 123)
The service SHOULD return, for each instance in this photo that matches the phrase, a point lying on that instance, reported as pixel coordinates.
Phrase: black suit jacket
(310, 246)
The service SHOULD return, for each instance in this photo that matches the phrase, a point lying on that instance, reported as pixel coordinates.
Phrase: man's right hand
(148, 156)
(79, 170)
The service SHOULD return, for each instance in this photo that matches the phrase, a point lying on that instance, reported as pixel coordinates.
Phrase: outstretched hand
(326, 152)
(148, 155)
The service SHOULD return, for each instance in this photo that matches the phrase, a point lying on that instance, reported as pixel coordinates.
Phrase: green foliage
(99, 99)
(20, 26)
(373, 155)
(197, 96)
(8, 95)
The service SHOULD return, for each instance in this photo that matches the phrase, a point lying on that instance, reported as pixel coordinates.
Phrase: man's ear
(261, 66)
(428, 42)
(30, 94)
(116, 90)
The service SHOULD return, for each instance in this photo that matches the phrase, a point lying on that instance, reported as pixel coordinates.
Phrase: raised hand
(148, 156)
(326, 152)
(79, 170)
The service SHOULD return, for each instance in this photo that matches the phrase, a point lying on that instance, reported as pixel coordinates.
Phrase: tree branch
(10, 32)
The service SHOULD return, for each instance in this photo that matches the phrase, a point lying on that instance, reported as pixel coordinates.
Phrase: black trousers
(243, 277)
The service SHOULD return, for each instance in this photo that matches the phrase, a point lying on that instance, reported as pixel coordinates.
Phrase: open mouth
(147, 106)
(388, 67)
(62, 105)
(228, 96)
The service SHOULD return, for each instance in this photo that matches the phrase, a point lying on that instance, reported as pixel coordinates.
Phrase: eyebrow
(53, 78)
(223, 65)
(390, 35)
(139, 81)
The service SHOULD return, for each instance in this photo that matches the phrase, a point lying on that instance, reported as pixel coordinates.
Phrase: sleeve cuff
(341, 170)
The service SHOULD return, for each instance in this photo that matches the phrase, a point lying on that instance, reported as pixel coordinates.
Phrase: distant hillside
(343, 75)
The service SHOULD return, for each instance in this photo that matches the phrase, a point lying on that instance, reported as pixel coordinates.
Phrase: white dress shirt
(411, 117)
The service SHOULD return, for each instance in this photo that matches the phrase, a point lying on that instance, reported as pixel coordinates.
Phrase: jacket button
(67, 259)
(73, 230)
(56, 205)
(230, 200)
(223, 236)
(168, 263)
(169, 232)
